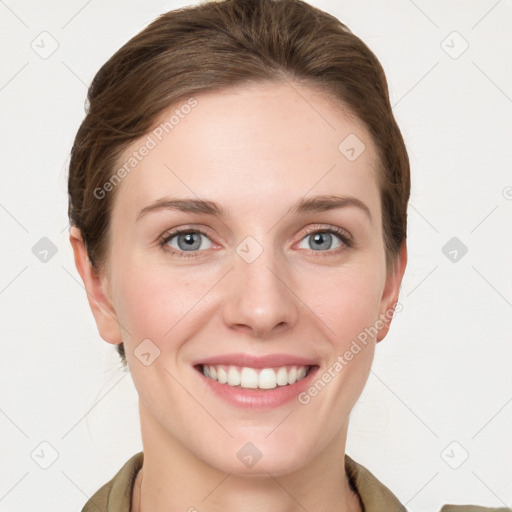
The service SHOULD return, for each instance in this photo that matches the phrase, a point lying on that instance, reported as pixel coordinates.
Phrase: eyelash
(342, 234)
(171, 234)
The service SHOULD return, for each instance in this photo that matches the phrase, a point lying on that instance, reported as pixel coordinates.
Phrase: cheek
(347, 301)
(155, 302)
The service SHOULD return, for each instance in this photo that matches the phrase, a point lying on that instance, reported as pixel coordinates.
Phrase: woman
(238, 196)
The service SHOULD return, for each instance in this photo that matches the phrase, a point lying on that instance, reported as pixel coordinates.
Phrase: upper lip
(252, 361)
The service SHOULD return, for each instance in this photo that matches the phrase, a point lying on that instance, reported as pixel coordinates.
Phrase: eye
(327, 239)
(186, 240)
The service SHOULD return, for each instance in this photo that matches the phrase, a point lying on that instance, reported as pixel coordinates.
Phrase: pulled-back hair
(214, 46)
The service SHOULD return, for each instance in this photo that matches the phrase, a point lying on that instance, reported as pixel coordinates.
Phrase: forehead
(248, 145)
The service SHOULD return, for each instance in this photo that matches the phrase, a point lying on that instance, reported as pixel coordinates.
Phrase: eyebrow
(305, 205)
(329, 202)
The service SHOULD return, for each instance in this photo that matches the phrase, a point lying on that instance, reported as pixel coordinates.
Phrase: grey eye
(321, 241)
(189, 241)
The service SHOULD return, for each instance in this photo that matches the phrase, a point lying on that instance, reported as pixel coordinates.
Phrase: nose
(260, 299)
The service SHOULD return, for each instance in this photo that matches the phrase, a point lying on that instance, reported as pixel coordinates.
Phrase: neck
(165, 482)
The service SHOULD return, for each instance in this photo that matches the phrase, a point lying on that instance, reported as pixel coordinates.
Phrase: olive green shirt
(116, 495)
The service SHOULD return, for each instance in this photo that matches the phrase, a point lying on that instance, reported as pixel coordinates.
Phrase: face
(248, 238)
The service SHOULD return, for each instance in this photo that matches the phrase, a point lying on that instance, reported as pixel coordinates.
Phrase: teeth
(221, 376)
(282, 377)
(251, 378)
(292, 375)
(267, 379)
(233, 377)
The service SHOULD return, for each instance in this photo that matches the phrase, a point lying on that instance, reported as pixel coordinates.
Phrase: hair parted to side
(213, 46)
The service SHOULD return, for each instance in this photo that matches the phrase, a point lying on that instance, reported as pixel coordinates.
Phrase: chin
(258, 459)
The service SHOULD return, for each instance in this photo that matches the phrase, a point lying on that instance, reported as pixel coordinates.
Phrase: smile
(255, 381)
(255, 378)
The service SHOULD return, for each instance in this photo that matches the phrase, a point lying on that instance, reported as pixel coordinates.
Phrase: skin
(255, 150)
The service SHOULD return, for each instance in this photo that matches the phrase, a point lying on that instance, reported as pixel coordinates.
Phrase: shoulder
(115, 495)
(376, 497)
(472, 508)
(99, 501)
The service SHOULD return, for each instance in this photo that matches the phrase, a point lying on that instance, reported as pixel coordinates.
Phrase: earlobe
(96, 287)
(391, 292)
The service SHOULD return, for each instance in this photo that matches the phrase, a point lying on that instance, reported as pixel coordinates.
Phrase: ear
(391, 291)
(96, 286)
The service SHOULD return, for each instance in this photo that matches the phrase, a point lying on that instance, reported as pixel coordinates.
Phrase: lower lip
(259, 398)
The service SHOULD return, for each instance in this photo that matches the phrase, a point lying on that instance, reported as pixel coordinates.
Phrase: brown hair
(214, 46)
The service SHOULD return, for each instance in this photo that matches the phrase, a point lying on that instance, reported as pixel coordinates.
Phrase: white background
(442, 376)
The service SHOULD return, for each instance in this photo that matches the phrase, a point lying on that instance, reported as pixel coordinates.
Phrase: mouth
(255, 381)
(245, 377)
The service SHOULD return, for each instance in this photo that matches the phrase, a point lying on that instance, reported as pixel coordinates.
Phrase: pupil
(189, 241)
(323, 240)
